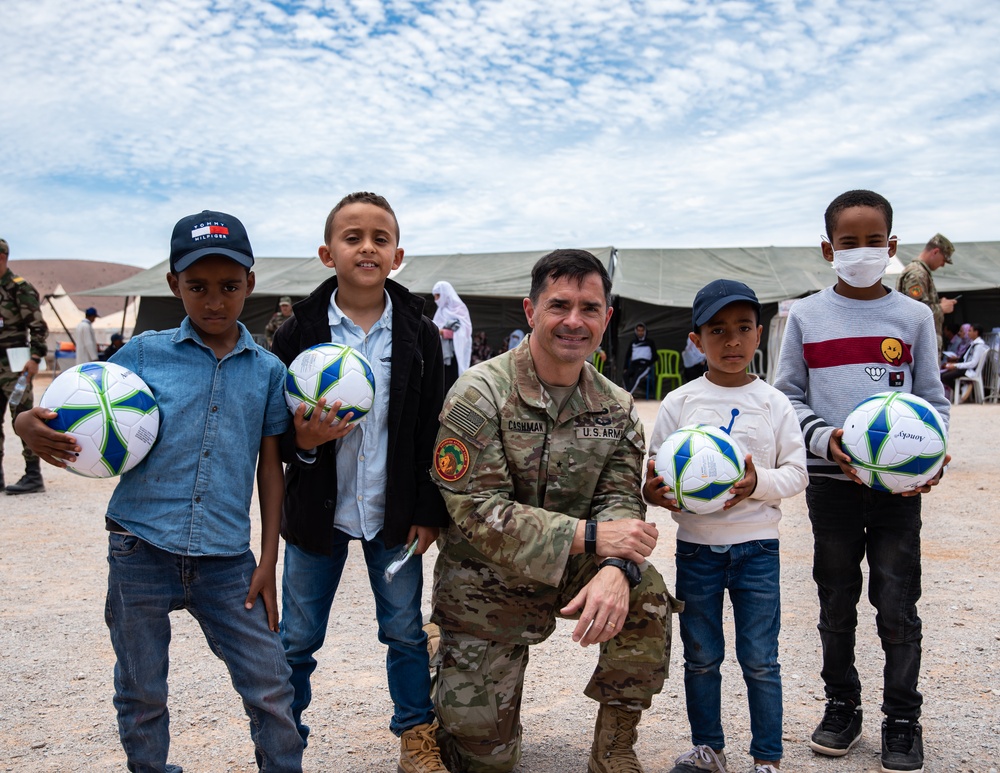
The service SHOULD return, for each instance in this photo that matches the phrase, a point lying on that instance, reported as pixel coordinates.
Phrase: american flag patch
(465, 417)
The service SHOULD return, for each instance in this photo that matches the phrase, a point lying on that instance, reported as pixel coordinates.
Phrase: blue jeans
(145, 584)
(308, 587)
(848, 522)
(751, 572)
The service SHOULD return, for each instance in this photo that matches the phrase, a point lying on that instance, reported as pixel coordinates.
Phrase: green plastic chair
(668, 368)
(598, 363)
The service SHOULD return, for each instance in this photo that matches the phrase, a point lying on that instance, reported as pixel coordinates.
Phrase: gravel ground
(56, 661)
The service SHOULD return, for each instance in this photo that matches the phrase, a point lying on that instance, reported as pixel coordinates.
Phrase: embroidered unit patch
(451, 459)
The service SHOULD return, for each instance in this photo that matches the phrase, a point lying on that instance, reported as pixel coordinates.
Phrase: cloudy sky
(494, 124)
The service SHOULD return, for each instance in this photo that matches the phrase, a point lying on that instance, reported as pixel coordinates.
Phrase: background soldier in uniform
(916, 280)
(539, 459)
(278, 318)
(21, 324)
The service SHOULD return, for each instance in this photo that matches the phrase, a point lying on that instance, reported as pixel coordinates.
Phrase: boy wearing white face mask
(841, 345)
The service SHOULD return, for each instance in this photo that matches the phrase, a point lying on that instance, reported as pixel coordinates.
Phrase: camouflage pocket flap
(676, 606)
(463, 655)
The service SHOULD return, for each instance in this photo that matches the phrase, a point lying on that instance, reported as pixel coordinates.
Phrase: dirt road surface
(56, 711)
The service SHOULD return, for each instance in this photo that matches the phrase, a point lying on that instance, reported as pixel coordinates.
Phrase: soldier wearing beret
(539, 460)
(916, 280)
(21, 324)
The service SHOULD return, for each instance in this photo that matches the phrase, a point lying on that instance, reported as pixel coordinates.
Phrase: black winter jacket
(416, 394)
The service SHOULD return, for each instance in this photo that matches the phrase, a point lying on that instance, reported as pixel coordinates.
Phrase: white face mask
(861, 267)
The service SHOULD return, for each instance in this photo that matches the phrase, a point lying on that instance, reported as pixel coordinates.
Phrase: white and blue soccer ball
(334, 372)
(111, 413)
(700, 464)
(897, 441)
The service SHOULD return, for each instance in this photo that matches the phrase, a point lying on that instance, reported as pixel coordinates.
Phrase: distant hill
(76, 276)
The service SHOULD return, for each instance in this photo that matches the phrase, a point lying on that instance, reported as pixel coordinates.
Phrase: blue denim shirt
(363, 454)
(191, 494)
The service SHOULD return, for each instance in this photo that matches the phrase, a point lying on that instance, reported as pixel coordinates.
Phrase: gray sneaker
(700, 758)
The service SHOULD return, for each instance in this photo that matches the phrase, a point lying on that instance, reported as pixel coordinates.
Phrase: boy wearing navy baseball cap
(735, 550)
(178, 522)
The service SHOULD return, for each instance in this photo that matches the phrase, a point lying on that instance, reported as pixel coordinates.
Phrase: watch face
(633, 573)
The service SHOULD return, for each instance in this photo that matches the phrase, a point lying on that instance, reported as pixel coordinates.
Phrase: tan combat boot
(614, 737)
(419, 752)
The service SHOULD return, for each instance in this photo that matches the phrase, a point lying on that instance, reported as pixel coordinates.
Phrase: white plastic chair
(986, 373)
(991, 377)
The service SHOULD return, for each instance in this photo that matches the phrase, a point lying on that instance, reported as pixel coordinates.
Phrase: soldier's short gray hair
(4, 247)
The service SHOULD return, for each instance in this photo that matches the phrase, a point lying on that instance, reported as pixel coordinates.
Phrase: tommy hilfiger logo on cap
(218, 230)
(209, 233)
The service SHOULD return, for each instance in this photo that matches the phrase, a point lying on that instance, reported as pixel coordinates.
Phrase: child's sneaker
(902, 745)
(839, 729)
(764, 769)
(700, 758)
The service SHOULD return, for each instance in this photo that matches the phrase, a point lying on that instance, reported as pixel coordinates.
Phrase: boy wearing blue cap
(736, 548)
(179, 532)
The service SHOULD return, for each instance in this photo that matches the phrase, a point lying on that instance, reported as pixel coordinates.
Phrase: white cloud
(493, 125)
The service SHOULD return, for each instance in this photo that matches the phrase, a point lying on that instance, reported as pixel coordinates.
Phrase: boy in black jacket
(367, 481)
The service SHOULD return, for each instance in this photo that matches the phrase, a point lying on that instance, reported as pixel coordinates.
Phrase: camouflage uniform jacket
(916, 282)
(517, 478)
(21, 314)
(276, 321)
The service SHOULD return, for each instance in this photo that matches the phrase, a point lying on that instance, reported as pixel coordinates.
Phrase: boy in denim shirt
(179, 532)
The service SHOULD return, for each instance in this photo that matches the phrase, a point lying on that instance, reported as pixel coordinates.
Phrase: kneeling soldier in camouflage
(539, 460)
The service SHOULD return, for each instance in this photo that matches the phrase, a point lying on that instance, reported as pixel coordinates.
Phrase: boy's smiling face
(362, 247)
(729, 340)
(213, 291)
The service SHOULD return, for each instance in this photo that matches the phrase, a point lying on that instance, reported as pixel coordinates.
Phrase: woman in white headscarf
(453, 321)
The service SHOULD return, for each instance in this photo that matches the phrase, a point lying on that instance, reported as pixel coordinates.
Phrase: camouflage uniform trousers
(7, 382)
(479, 683)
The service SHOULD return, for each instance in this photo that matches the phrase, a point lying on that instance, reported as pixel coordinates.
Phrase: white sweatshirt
(766, 426)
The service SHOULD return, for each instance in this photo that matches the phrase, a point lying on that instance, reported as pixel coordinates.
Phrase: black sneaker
(902, 745)
(839, 730)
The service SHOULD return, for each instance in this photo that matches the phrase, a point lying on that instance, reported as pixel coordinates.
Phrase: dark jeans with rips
(850, 522)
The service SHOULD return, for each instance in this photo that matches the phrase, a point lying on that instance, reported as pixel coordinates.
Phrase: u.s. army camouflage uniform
(517, 479)
(916, 282)
(277, 320)
(21, 324)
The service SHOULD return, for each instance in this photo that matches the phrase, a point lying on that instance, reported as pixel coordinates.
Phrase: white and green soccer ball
(897, 441)
(334, 372)
(111, 413)
(700, 464)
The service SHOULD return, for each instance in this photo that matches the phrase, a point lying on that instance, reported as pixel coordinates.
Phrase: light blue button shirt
(363, 454)
(191, 494)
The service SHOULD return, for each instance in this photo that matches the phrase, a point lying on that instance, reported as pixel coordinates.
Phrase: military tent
(655, 286)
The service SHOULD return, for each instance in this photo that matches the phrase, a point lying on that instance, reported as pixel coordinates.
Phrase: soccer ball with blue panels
(332, 372)
(700, 464)
(896, 440)
(111, 413)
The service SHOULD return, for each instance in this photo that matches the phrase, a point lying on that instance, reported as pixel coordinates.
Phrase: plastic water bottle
(402, 557)
(19, 389)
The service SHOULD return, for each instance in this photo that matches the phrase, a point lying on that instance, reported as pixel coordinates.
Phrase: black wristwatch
(631, 570)
(590, 537)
